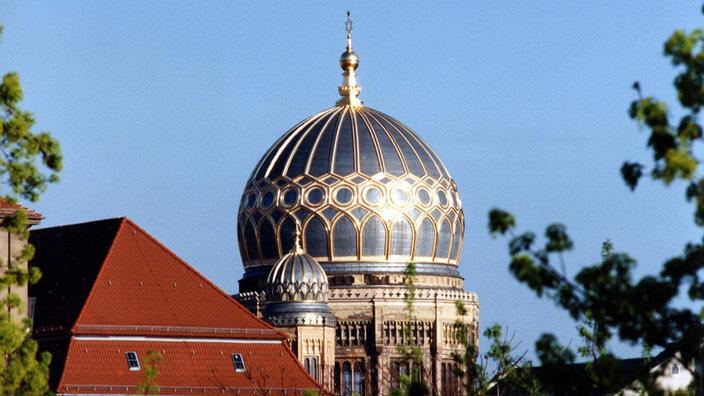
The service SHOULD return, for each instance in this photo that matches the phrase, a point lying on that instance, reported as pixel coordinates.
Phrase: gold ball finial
(349, 60)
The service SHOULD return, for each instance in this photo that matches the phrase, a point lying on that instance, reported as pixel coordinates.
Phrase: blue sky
(163, 109)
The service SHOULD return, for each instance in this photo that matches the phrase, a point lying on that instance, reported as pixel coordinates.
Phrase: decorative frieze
(297, 291)
(400, 292)
(301, 320)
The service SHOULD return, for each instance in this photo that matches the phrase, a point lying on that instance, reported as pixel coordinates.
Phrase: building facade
(369, 196)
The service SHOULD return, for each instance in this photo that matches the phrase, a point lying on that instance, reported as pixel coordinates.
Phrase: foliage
(606, 297)
(20, 371)
(511, 374)
(151, 374)
(608, 302)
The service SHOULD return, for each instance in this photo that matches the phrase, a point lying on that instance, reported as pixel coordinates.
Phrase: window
(132, 361)
(358, 384)
(675, 369)
(346, 379)
(239, 362)
(337, 377)
(311, 366)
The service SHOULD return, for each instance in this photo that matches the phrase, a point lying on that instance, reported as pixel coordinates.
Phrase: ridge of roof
(97, 277)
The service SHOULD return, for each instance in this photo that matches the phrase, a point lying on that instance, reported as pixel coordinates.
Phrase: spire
(297, 240)
(349, 62)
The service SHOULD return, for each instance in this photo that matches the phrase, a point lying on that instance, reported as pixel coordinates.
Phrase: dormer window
(132, 361)
(238, 362)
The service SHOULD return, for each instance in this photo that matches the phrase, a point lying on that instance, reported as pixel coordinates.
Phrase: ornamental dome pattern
(297, 277)
(367, 190)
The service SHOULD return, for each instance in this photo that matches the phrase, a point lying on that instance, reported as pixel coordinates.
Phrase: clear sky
(163, 109)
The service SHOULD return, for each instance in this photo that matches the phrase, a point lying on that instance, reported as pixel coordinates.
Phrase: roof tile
(100, 366)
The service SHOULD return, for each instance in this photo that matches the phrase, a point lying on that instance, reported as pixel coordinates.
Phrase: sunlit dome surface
(369, 193)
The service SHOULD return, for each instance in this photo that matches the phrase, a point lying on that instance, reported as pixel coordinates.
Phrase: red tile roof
(144, 288)
(137, 287)
(189, 366)
(7, 209)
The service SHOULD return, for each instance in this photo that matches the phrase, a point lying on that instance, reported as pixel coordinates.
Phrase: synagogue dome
(369, 193)
(297, 277)
(297, 291)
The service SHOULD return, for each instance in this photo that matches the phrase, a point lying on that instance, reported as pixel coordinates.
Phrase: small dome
(297, 277)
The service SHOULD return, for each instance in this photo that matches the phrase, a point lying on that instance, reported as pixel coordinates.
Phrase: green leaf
(500, 221)
(558, 240)
(631, 173)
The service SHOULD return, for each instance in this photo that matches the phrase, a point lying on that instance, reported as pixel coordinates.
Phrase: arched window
(358, 379)
(316, 238)
(358, 384)
(456, 241)
(313, 368)
(401, 237)
(444, 239)
(344, 238)
(425, 239)
(251, 241)
(346, 379)
(374, 238)
(267, 241)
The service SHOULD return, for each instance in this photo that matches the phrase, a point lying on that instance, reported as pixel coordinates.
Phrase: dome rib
(343, 156)
(394, 163)
(413, 162)
(298, 160)
(319, 160)
(368, 148)
(426, 148)
(272, 154)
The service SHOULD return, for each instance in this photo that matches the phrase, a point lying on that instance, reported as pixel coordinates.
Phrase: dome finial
(348, 29)
(349, 62)
(297, 239)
